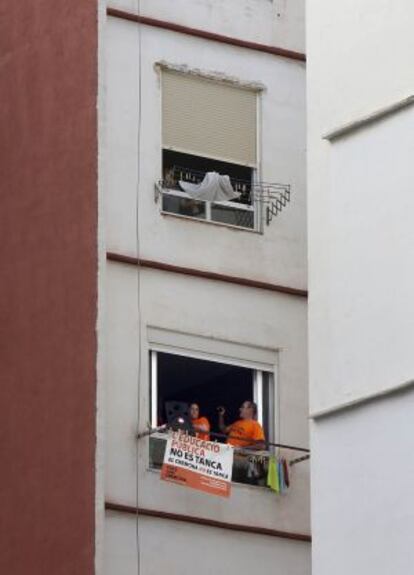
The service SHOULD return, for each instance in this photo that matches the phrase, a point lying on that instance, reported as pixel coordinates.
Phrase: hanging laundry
(272, 475)
(280, 475)
(286, 472)
(213, 188)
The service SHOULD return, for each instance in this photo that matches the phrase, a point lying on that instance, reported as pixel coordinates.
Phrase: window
(208, 126)
(210, 384)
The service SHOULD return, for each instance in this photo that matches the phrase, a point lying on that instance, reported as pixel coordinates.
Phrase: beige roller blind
(208, 118)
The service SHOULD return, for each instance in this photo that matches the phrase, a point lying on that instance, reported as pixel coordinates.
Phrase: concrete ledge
(109, 506)
(403, 387)
(172, 26)
(162, 266)
(363, 121)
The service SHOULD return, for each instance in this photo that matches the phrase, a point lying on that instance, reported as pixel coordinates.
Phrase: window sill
(210, 223)
(206, 522)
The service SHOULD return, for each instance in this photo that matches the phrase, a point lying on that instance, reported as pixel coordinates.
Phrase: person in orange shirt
(246, 431)
(201, 425)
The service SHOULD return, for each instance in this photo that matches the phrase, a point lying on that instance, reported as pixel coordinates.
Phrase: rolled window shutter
(208, 118)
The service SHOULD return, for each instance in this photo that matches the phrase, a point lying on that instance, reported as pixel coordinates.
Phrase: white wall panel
(362, 482)
(181, 548)
(279, 255)
(365, 292)
(275, 22)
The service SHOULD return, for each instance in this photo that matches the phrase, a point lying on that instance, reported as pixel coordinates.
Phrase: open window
(208, 126)
(210, 384)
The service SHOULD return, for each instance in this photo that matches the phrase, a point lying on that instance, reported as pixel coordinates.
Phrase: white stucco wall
(278, 23)
(265, 323)
(360, 198)
(362, 316)
(181, 548)
(359, 58)
(362, 478)
(225, 313)
(278, 255)
(360, 285)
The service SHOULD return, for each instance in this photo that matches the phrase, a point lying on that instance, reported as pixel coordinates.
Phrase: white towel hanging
(213, 188)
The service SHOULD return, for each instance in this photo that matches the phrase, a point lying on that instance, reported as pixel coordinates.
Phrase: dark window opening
(177, 166)
(208, 383)
(177, 378)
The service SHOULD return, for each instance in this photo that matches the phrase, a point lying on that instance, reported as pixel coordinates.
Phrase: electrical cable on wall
(273, 194)
(139, 28)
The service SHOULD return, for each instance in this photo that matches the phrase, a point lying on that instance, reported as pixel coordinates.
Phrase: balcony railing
(179, 173)
(257, 201)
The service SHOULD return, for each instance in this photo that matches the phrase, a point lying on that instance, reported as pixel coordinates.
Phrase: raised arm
(222, 426)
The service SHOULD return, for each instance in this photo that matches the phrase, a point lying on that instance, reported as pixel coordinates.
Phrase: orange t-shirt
(202, 422)
(244, 430)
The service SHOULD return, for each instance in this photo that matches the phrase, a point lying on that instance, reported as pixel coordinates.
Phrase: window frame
(208, 217)
(258, 384)
(255, 205)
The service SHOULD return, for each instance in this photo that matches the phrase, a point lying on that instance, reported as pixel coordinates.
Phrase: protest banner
(199, 464)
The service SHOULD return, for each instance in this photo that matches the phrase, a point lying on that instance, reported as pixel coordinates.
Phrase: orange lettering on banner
(195, 480)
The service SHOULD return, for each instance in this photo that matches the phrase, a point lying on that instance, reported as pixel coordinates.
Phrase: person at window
(201, 425)
(246, 431)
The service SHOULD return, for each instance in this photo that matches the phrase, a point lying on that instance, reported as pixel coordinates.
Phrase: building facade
(204, 301)
(360, 174)
(121, 274)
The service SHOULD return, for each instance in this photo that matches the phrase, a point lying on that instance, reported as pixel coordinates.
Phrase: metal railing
(250, 466)
(273, 197)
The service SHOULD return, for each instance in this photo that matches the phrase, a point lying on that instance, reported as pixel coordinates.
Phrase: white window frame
(208, 218)
(258, 394)
(257, 383)
(255, 206)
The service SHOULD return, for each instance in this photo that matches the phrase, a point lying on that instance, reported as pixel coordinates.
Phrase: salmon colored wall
(48, 245)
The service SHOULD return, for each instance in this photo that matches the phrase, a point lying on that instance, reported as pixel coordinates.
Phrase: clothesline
(198, 184)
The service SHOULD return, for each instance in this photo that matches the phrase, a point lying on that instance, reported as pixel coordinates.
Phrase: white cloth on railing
(213, 188)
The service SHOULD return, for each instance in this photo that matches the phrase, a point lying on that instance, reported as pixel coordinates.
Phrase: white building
(204, 301)
(361, 284)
